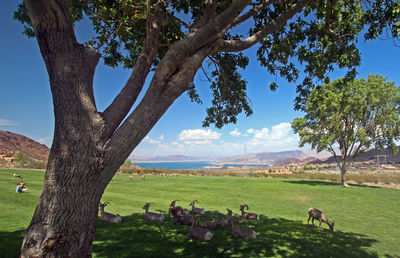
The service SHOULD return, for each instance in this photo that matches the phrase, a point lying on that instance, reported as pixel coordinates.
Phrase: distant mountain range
(271, 158)
(279, 158)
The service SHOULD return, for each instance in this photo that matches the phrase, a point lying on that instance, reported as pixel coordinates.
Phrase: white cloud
(202, 142)
(235, 133)
(151, 141)
(198, 136)
(250, 131)
(4, 122)
(279, 137)
(165, 149)
(161, 137)
(44, 140)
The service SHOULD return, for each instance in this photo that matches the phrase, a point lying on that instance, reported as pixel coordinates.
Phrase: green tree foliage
(21, 159)
(127, 163)
(322, 37)
(24, 161)
(351, 116)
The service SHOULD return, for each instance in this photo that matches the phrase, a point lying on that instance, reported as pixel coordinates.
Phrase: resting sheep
(184, 219)
(151, 215)
(212, 224)
(175, 209)
(196, 210)
(247, 215)
(108, 217)
(242, 232)
(199, 233)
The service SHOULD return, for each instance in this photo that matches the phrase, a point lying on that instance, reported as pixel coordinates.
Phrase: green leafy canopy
(318, 39)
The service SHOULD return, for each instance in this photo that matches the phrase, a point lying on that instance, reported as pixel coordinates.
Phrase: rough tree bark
(89, 146)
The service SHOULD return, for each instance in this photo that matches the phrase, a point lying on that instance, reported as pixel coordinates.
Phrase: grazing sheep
(247, 215)
(320, 216)
(242, 232)
(176, 209)
(196, 210)
(109, 217)
(151, 215)
(17, 176)
(199, 233)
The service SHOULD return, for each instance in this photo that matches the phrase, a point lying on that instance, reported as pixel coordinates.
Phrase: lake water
(190, 165)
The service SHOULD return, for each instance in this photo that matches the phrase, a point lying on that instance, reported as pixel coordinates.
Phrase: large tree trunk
(64, 221)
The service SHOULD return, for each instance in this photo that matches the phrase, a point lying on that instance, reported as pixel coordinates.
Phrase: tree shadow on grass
(10, 243)
(312, 182)
(135, 237)
(324, 183)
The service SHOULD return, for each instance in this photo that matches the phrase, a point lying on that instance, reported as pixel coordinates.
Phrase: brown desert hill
(290, 161)
(369, 156)
(12, 143)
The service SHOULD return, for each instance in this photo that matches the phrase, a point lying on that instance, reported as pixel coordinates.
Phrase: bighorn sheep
(196, 210)
(151, 215)
(212, 224)
(109, 217)
(17, 176)
(242, 232)
(185, 219)
(230, 217)
(176, 209)
(247, 215)
(320, 216)
(199, 233)
(226, 222)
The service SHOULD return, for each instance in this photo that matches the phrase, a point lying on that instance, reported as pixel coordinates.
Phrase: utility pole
(245, 153)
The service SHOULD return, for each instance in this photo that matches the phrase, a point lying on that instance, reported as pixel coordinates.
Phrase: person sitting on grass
(20, 187)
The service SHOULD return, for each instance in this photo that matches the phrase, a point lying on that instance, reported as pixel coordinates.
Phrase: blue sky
(26, 101)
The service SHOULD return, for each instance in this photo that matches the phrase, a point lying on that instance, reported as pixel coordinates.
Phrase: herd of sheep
(183, 216)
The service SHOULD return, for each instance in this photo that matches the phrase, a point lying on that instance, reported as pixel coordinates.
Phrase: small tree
(353, 116)
(127, 163)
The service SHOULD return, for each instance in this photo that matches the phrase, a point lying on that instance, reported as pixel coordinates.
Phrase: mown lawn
(367, 218)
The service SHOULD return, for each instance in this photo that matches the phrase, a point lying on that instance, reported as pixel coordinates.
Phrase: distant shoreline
(219, 163)
(187, 165)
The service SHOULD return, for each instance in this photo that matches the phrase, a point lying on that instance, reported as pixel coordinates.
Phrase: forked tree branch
(155, 103)
(240, 45)
(123, 102)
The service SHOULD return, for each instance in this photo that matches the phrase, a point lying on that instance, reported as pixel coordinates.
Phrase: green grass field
(367, 218)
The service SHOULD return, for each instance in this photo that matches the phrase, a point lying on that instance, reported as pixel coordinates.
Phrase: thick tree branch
(158, 98)
(240, 45)
(208, 33)
(208, 14)
(121, 105)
